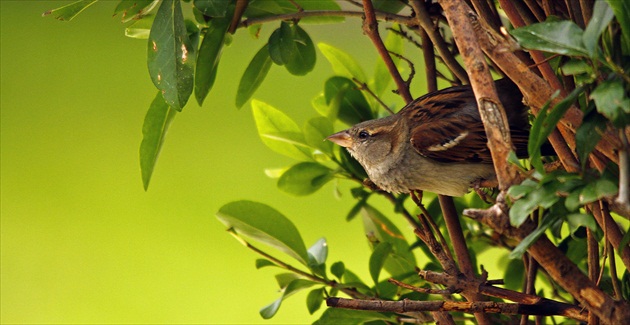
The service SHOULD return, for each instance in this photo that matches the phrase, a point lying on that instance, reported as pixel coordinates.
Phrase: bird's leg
(480, 186)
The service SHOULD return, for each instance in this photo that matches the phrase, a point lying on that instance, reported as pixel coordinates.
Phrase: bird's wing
(445, 126)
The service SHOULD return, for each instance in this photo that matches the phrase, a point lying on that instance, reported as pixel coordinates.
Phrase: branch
(405, 306)
(370, 27)
(490, 108)
(327, 13)
(424, 20)
(557, 265)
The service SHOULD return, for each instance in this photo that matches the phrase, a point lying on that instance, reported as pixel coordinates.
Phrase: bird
(436, 143)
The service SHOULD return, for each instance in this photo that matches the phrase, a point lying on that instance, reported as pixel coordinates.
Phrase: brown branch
(370, 27)
(612, 233)
(424, 20)
(327, 13)
(557, 265)
(405, 306)
(490, 108)
(593, 266)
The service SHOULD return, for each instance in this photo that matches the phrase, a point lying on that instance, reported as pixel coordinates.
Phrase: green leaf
(294, 286)
(514, 274)
(335, 316)
(401, 260)
(68, 12)
(622, 13)
(270, 310)
(253, 76)
(561, 37)
(353, 107)
(170, 55)
(377, 259)
(544, 196)
(303, 58)
(338, 269)
(261, 262)
(602, 15)
(209, 56)
(610, 99)
(394, 43)
(588, 135)
(265, 8)
(576, 67)
(156, 123)
(212, 8)
(314, 300)
(577, 220)
(305, 178)
(134, 9)
(342, 63)
(265, 224)
(279, 132)
(318, 252)
(522, 247)
(315, 132)
(281, 44)
(141, 28)
(544, 124)
(391, 6)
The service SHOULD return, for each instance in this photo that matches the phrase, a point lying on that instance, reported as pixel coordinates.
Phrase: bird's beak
(342, 138)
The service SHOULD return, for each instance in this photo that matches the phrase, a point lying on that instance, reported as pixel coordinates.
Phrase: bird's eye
(363, 135)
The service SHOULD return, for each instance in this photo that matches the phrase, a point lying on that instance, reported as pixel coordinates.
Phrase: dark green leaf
(625, 283)
(263, 223)
(353, 107)
(314, 300)
(356, 209)
(209, 56)
(624, 242)
(253, 76)
(212, 8)
(562, 37)
(261, 262)
(335, 316)
(514, 274)
(377, 259)
(315, 132)
(170, 55)
(278, 131)
(610, 99)
(265, 8)
(338, 269)
(622, 13)
(544, 124)
(134, 9)
(342, 63)
(68, 12)
(588, 135)
(281, 44)
(303, 58)
(270, 310)
(518, 191)
(544, 196)
(296, 286)
(156, 123)
(304, 178)
(521, 248)
(318, 252)
(602, 15)
(350, 164)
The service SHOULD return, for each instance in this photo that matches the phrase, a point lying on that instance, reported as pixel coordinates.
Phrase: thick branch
(404, 306)
(490, 108)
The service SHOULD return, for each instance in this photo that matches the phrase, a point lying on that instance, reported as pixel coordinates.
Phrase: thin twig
(370, 27)
(326, 13)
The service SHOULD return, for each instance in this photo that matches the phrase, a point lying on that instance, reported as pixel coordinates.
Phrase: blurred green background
(82, 242)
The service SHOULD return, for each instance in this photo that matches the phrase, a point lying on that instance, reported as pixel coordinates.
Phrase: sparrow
(436, 143)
